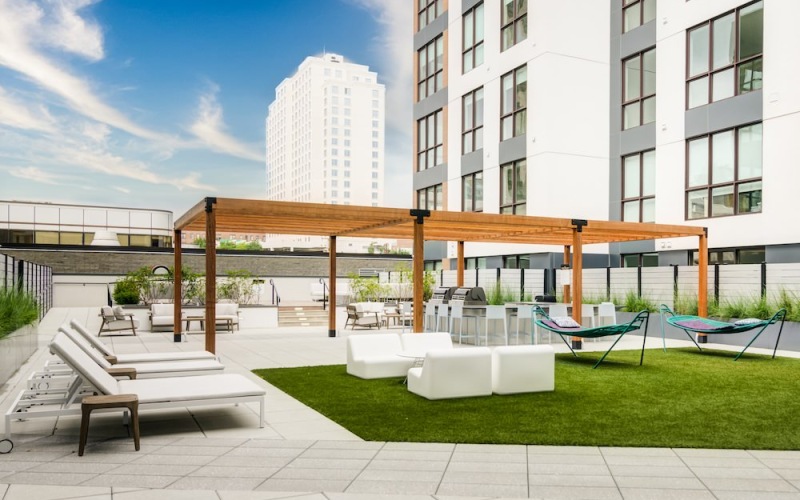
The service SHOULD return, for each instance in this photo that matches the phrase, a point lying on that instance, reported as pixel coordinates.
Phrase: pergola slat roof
(214, 215)
(279, 217)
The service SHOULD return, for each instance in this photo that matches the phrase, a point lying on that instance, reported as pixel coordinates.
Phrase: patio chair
(562, 327)
(457, 313)
(146, 370)
(156, 393)
(117, 320)
(143, 357)
(698, 324)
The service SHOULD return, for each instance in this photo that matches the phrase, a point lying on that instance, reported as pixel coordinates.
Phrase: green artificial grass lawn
(681, 398)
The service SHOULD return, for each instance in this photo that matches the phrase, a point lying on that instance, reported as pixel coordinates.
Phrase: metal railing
(325, 292)
(276, 298)
(33, 279)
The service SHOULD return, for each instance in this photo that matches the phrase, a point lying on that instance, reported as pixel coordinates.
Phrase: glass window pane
(467, 194)
(698, 51)
(722, 85)
(466, 62)
(631, 176)
(698, 92)
(71, 238)
(723, 41)
(508, 36)
(479, 107)
(632, 16)
(631, 118)
(521, 209)
(421, 161)
(506, 185)
(750, 76)
(46, 238)
(522, 29)
(479, 55)
(630, 211)
(649, 110)
(467, 110)
(648, 11)
(697, 204)
(649, 173)
(750, 197)
(508, 11)
(752, 256)
(520, 124)
(750, 151)
(632, 73)
(469, 35)
(751, 30)
(507, 128)
(722, 201)
(522, 7)
(439, 198)
(479, 23)
(649, 72)
(466, 146)
(722, 157)
(521, 94)
(439, 127)
(521, 174)
(649, 210)
(479, 191)
(630, 260)
(478, 139)
(508, 94)
(422, 135)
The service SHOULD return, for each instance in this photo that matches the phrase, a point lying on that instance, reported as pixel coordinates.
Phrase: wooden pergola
(279, 217)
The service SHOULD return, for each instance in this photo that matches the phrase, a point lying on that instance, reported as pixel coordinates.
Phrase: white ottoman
(523, 368)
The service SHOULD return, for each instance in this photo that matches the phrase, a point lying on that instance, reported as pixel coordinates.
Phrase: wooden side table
(90, 403)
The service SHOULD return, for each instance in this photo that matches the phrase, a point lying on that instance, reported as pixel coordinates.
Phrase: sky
(160, 103)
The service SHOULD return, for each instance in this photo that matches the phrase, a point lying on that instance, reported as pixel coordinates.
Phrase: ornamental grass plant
(17, 309)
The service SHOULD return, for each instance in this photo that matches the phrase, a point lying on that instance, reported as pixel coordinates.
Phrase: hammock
(546, 322)
(698, 324)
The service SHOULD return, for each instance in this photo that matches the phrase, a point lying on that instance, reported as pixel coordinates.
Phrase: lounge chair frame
(718, 327)
(642, 318)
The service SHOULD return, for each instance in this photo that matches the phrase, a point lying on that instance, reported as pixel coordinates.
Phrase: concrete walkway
(220, 453)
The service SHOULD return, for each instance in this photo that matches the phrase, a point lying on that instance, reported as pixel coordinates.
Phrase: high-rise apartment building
(664, 111)
(325, 135)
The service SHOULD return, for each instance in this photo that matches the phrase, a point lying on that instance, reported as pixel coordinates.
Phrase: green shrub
(126, 291)
(634, 303)
(17, 309)
(498, 295)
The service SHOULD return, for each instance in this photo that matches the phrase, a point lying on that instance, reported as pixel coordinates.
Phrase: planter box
(15, 349)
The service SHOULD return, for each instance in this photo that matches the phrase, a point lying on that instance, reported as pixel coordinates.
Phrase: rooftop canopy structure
(278, 217)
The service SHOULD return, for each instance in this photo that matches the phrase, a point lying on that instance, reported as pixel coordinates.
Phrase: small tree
(200, 242)
(126, 291)
(237, 286)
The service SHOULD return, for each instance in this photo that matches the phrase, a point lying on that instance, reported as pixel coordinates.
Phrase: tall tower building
(325, 135)
(629, 110)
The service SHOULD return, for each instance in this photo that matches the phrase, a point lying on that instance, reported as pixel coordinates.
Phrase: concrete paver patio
(220, 452)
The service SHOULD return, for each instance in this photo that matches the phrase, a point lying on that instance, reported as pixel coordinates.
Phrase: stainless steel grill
(443, 293)
(470, 296)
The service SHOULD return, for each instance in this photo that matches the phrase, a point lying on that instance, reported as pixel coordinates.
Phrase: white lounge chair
(153, 393)
(146, 370)
(144, 357)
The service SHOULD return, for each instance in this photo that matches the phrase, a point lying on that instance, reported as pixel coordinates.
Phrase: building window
(749, 255)
(639, 89)
(472, 121)
(513, 187)
(636, 13)
(475, 263)
(725, 56)
(724, 173)
(430, 59)
(513, 103)
(640, 260)
(514, 22)
(639, 187)
(472, 192)
(428, 11)
(430, 138)
(431, 198)
(472, 56)
(516, 262)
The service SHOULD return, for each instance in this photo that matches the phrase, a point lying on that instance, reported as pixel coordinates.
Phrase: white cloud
(122, 189)
(209, 127)
(35, 174)
(15, 113)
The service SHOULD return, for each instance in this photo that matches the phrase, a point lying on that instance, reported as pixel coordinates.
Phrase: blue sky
(159, 103)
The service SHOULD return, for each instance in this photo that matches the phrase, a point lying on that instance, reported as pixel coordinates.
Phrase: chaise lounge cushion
(453, 373)
(190, 388)
(523, 368)
(376, 356)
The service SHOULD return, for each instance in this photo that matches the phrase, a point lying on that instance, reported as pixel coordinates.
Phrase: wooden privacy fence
(729, 282)
(33, 279)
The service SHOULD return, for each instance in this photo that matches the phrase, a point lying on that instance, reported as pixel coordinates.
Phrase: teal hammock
(544, 321)
(698, 324)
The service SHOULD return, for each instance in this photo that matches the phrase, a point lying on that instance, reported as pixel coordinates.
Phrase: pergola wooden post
(177, 283)
(332, 286)
(418, 265)
(566, 287)
(702, 278)
(577, 275)
(460, 265)
(211, 275)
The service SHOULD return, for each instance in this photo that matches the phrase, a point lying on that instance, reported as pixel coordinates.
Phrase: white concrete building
(34, 223)
(325, 135)
(549, 108)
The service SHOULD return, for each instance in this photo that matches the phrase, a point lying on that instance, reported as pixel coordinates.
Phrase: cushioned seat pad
(191, 388)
